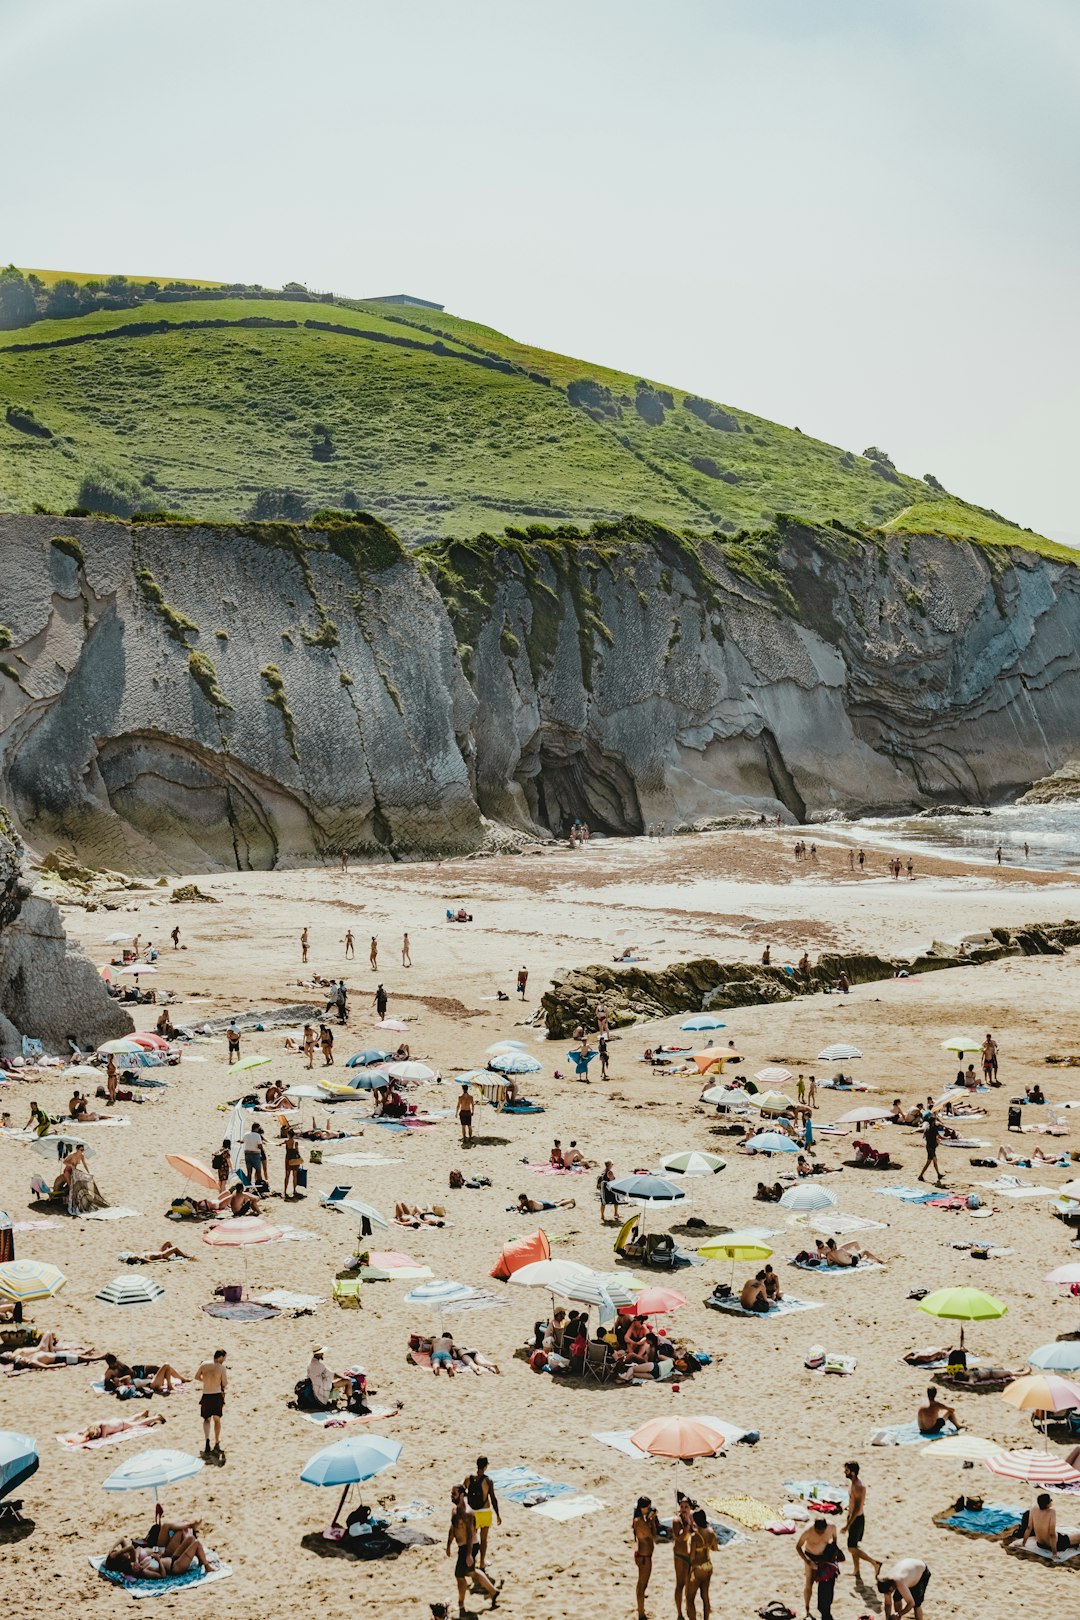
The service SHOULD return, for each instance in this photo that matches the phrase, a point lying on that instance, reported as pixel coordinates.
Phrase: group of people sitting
(323, 1390)
(631, 1350)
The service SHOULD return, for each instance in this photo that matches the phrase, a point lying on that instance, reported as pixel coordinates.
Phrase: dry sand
(725, 894)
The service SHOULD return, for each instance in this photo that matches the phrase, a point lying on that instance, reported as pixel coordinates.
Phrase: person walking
(930, 1137)
(255, 1154)
(480, 1495)
(293, 1164)
(373, 954)
(406, 954)
(522, 981)
(232, 1037)
(304, 942)
(463, 1535)
(175, 937)
(380, 1001)
(463, 1108)
(855, 1525)
(602, 1052)
(341, 1001)
(350, 944)
(215, 1381)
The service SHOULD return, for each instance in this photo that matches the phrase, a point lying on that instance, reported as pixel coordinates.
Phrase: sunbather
(413, 1215)
(752, 1296)
(117, 1426)
(477, 1361)
(53, 1355)
(535, 1206)
(167, 1251)
(146, 1378)
(150, 1564)
(933, 1414)
(1040, 1523)
(847, 1254)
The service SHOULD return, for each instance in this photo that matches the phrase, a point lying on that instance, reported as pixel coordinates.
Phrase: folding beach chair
(596, 1360)
(347, 1292)
(336, 1195)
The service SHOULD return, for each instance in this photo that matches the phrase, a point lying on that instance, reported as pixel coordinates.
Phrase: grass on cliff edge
(438, 425)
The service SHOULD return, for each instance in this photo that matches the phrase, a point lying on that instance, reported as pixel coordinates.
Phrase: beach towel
(555, 1170)
(992, 1520)
(505, 1479)
(358, 1161)
(172, 1583)
(783, 1307)
(907, 1434)
(395, 1274)
(532, 1495)
(345, 1420)
(816, 1490)
(296, 1234)
(117, 1212)
(74, 1441)
(478, 1299)
(244, 1310)
(746, 1510)
(910, 1195)
(413, 1511)
(833, 1223)
(1019, 1192)
(1032, 1551)
(562, 1508)
(838, 1271)
(32, 1226)
(286, 1301)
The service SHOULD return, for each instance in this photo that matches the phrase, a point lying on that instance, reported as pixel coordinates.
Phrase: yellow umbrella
(773, 1102)
(735, 1246)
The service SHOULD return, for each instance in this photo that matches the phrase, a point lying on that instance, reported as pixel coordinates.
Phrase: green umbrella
(962, 1305)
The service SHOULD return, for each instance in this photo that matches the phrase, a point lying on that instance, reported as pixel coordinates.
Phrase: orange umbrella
(679, 1437)
(713, 1057)
(193, 1170)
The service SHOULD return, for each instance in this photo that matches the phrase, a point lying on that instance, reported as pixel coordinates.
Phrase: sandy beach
(725, 895)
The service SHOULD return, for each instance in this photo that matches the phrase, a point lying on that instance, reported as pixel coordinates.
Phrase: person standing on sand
(112, 1078)
(304, 944)
(309, 1045)
(855, 1525)
(341, 1001)
(326, 1042)
(380, 1001)
(350, 944)
(646, 1528)
(463, 1533)
(175, 937)
(930, 1137)
(406, 954)
(522, 981)
(989, 1059)
(463, 1108)
(373, 954)
(232, 1036)
(811, 1094)
(480, 1495)
(682, 1528)
(215, 1381)
(998, 855)
(862, 859)
(800, 1089)
(344, 860)
(602, 1049)
(817, 1547)
(293, 1164)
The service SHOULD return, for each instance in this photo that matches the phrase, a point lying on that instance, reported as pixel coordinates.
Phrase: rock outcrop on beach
(183, 697)
(49, 989)
(637, 994)
(1062, 787)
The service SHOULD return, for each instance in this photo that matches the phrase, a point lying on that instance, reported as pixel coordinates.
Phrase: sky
(859, 217)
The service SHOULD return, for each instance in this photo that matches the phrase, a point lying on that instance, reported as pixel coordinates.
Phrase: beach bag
(315, 1156)
(233, 1293)
(301, 1176)
(456, 1179)
(974, 1201)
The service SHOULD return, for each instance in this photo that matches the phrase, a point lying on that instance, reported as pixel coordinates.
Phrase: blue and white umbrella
(516, 1063)
(151, 1470)
(772, 1142)
(807, 1197)
(18, 1459)
(442, 1291)
(349, 1462)
(370, 1054)
(1061, 1357)
(647, 1190)
(703, 1021)
(506, 1046)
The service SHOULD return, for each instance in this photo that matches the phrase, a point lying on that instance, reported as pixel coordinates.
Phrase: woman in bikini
(682, 1530)
(646, 1528)
(703, 1542)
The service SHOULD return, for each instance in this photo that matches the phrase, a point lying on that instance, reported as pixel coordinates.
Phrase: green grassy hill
(218, 406)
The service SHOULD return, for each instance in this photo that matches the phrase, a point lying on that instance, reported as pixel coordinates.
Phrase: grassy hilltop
(219, 403)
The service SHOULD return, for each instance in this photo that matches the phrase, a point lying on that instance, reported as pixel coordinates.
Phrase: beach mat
(994, 1519)
(172, 1583)
(783, 1307)
(245, 1310)
(838, 1271)
(910, 1195)
(562, 1508)
(907, 1434)
(118, 1213)
(748, 1511)
(1069, 1558)
(347, 1420)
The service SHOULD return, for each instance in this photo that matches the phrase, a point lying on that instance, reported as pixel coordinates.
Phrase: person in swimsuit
(646, 1528)
(856, 1520)
(817, 1548)
(294, 1160)
(682, 1530)
(703, 1543)
(1041, 1522)
(903, 1586)
(934, 1414)
(106, 1431)
(464, 1111)
(463, 1532)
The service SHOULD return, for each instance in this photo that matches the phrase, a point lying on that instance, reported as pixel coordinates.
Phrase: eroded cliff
(184, 696)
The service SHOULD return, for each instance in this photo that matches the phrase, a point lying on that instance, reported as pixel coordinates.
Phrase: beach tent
(519, 1252)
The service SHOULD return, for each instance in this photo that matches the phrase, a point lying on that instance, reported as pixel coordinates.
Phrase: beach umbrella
(549, 1274)
(962, 1305)
(1036, 1467)
(1070, 1189)
(358, 1207)
(735, 1246)
(505, 1046)
(154, 1043)
(312, 1093)
(133, 1288)
(60, 1145)
(349, 1462)
(694, 1163)
(1068, 1273)
(715, 1057)
(359, 1080)
(703, 1021)
(439, 1292)
(239, 1123)
(1042, 1392)
(411, 1073)
(18, 1460)
(808, 1196)
(865, 1114)
(961, 1044)
(516, 1063)
(193, 1170)
(678, 1436)
(595, 1291)
(774, 1074)
(654, 1302)
(152, 1470)
(772, 1142)
(393, 1023)
(648, 1190)
(122, 1044)
(370, 1054)
(242, 1233)
(26, 1280)
(839, 1052)
(1063, 1356)
(773, 1102)
(82, 1071)
(7, 1239)
(252, 1062)
(737, 1101)
(962, 1447)
(138, 969)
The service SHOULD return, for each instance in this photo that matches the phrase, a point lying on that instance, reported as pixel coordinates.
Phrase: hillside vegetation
(233, 402)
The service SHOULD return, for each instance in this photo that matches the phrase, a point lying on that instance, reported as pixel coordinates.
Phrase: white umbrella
(739, 1102)
(138, 968)
(57, 1147)
(808, 1196)
(774, 1074)
(694, 1163)
(438, 1293)
(839, 1052)
(151, 1470)
(414, 1072)
(358, 1207)
(549, 1274)
(82, 1071)
(133, 1288)
(239, 1125)
(865, 1115)
(122, 1044)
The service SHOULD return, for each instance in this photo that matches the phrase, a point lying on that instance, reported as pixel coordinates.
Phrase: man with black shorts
(856, 1520)
(1040, 1522)
(930, 1136)
(903, 1586)
(215, 1381)
(463, 1532)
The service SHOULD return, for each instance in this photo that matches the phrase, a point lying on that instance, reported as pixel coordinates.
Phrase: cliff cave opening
(566, 775)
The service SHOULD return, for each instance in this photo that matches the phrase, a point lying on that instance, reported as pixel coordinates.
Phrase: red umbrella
(153, 1042)
(654, 1302)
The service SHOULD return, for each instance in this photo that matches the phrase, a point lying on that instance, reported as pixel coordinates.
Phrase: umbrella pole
(341, 1504)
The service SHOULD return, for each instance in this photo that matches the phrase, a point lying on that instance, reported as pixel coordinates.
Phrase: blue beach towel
(991, 1520)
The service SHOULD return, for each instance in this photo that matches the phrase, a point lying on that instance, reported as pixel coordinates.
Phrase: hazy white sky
(857, 216)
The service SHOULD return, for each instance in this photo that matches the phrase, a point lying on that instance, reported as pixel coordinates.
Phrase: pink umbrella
(1068, 1273)
(241, 1233)
(153, 1042)
(1042, 1392)
(654, 1302)
(1036, 1467)
(773, 1074)
(391, 1260)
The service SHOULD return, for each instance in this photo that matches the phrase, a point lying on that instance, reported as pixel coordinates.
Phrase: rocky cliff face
(185, 697)
(48, 989)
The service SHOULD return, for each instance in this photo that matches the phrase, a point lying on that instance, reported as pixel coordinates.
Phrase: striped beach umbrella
(134, 1288)
(1036, 1467)
(25, 1280)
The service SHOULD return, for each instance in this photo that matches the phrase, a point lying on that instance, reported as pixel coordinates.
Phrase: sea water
(1051, 832)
